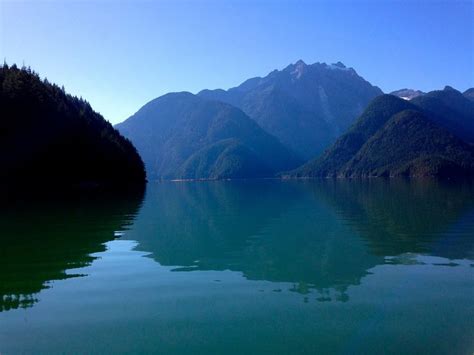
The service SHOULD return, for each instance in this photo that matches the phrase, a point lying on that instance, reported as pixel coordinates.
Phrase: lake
(242, 267)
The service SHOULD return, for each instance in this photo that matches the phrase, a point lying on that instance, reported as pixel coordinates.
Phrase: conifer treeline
(49, 136)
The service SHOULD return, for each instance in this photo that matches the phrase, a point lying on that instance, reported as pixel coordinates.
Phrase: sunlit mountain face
(306, 106)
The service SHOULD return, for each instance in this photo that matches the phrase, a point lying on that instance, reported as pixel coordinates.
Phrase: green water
(249, 267)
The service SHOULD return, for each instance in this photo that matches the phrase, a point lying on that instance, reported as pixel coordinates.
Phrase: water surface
(242, 267)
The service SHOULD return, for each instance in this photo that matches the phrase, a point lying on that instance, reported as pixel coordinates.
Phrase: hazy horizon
(118, 56)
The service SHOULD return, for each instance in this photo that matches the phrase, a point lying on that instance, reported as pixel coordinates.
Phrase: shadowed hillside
(51, 138)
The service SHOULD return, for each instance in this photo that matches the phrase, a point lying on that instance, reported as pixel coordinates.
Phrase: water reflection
(313, 236)
(401, 216)
(41, 239)
(312, 270)
(317, 235)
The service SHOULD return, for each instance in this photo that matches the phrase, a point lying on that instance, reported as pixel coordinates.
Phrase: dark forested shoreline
(51, 139)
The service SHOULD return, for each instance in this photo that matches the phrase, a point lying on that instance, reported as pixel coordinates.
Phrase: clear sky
(120, 54)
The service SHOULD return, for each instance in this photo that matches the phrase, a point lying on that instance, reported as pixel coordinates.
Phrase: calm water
(256, 267)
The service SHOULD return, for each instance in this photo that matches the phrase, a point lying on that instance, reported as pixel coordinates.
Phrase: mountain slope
(377, 113)
(393, 137)
(181, 135)
(410, 144)
(469, 93)
(450, 109)
(50, 137)
(305, 106)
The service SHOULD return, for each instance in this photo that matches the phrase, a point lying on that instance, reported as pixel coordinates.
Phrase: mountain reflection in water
(319, 234)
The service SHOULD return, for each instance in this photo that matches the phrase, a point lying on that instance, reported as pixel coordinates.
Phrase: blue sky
(120, 54)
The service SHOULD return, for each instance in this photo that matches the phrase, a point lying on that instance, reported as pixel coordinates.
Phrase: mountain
(469, 93)
(395, 137)
(52, 138)
(450, 109)
(407, 94)
(305, 106)
(183, 136)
